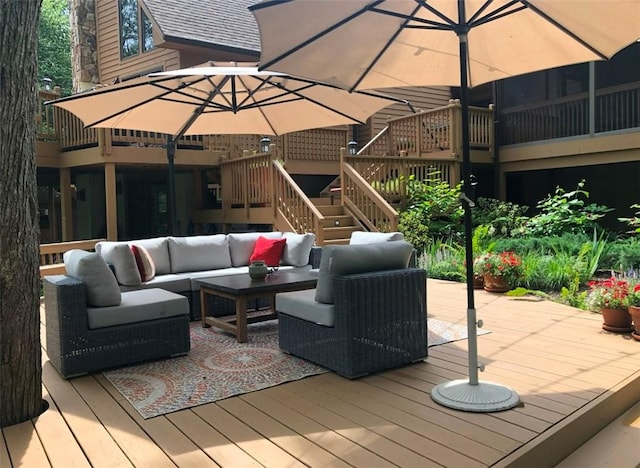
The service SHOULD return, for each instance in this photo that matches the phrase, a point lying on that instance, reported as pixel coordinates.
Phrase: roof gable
(220, 23)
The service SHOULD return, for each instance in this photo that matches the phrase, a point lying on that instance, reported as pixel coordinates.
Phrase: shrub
(634, 221)
(414, 225)
(565, 212)
(567, 243)
(621, 255)
(443, 260)
(502, 218)
(433, 210)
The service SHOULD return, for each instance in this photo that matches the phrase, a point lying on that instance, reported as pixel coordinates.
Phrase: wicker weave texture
(74, 349)
(380, 323)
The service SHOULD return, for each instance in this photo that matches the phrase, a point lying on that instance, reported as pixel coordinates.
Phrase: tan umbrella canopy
(364, 44)
(221, 98)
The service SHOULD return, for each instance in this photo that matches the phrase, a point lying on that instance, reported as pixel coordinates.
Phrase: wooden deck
(573, 379)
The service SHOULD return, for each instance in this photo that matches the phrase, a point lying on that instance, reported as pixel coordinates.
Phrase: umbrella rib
(197, 112)
(500, 12)
(313, 38)
(563, 29)
(385, 48)
(138, 104)
(108, 89)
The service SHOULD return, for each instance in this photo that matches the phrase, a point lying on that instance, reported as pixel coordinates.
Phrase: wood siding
(110, 66)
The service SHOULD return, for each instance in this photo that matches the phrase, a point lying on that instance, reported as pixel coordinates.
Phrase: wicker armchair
(378, 320)
(75, 349)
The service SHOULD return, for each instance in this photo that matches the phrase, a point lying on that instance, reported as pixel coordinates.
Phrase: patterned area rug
(219, 367)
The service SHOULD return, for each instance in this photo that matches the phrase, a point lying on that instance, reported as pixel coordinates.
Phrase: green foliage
(434, 209)
(565, 212)
(621, 255)
(54, 44)
(502, 218)
(549, 272)
(567, 243)
(520, 291)
(633, 222)
(573, 295)
(415, 227)
(443, 260)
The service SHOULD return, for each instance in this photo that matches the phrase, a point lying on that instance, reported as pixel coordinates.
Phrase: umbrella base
(484, 397)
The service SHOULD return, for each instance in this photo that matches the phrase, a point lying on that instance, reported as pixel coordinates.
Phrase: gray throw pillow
(120, 256)
(90, 268)
(340, 260)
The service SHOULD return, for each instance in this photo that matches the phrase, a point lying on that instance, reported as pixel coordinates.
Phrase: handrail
(294, 206)
(373, 140)
(369, 207)
(380, 216)
(51, 255)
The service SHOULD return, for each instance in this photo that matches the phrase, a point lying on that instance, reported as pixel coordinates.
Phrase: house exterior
(551, 128)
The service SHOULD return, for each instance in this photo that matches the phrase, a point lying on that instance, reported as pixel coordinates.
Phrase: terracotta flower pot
(616, 320)
(634, 312)
(478, 282)
(495, 283)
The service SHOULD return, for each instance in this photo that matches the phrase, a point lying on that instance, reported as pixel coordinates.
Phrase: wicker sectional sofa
(181, 261)
(103, 315)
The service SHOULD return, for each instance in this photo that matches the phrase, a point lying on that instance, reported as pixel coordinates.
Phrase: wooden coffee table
(241, 288)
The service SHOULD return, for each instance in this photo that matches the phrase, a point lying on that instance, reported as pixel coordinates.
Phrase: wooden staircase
(337, 225)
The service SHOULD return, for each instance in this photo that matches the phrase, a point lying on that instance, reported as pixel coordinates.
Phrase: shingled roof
(217, 23)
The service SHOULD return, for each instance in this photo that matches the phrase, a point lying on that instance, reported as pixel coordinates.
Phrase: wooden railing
(51, 261)
(387, 174)
(616, 108)
(245, 181)
(364, 202)
(294, 206)
(435, 130)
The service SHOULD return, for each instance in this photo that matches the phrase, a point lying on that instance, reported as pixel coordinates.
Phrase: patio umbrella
(221, 98)
(364, 44)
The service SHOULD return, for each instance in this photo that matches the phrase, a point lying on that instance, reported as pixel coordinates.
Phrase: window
(135, 29)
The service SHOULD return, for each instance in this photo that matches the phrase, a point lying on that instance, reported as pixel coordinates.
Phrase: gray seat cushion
(177, 283)
(350, 259)
(303, 305)
(138, 306)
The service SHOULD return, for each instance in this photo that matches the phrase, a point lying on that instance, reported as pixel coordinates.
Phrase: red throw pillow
(269, 250)
(146, 266)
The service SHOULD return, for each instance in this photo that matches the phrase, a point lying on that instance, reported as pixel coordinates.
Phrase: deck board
(25, 448)
(564, 367)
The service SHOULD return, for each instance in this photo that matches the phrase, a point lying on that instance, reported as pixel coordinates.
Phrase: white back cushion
(197, 253)
(298, 248)
(241, 245)
(363, 237)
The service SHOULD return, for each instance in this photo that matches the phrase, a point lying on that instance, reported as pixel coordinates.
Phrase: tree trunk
(20, 355)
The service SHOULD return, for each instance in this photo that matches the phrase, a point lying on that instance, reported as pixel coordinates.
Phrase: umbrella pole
(171, 153)
(470, 394)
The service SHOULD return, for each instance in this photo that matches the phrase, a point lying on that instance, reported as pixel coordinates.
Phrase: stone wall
(84, 55)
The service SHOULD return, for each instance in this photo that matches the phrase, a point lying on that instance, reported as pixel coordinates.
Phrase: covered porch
(572, 377)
